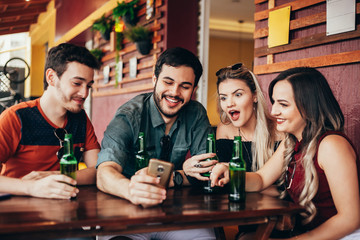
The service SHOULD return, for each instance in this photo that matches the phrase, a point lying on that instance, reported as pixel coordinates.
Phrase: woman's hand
(220, 174)
(196, 165)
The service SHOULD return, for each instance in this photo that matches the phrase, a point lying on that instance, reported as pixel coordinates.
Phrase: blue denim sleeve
(117, 144)
(200, 130)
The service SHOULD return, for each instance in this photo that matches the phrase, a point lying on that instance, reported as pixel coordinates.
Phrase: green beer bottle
(142, 157)
(237, 171)
(210, 148)
(68, 162)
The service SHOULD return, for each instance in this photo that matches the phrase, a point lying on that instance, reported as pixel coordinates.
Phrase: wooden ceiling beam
(17, 23)
(11, 31)
(22, 2)
(17, 15)
(30, 11)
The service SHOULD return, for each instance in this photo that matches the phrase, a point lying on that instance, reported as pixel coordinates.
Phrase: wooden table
(96, 213)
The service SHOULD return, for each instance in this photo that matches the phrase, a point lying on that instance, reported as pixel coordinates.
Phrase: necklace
(242, 135)
(247, 152)
(244, 146)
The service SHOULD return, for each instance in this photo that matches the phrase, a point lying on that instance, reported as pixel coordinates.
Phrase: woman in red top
(316, 162)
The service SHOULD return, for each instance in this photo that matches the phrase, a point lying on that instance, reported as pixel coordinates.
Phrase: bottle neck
(210, 145)
(237, 150)
(141, 144)
(68, 147)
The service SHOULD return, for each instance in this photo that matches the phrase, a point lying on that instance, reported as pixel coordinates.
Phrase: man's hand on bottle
(54, 186)
(196, 165)
(35, 175)
(143, 190)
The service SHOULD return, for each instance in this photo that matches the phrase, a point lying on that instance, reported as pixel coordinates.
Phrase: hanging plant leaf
(97, 53)
(141, 36)
(137, 33)
(126, 11)
(104, 25)
(119, 40)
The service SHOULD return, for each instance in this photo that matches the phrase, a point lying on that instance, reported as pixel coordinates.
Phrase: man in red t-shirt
(32, 132)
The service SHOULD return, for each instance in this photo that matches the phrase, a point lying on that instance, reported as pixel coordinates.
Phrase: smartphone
(162, 170)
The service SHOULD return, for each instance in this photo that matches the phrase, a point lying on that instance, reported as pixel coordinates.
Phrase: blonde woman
(243, 112)
(316, 162)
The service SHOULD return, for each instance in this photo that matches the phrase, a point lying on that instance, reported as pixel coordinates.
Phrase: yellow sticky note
(279, 24)
(119, 27)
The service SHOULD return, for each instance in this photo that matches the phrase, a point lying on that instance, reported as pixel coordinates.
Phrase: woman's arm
(337, 158)
(268, 174)
(255, 181)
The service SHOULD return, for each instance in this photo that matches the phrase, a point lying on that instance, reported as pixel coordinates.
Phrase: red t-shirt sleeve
(10, 134)
(91, 141)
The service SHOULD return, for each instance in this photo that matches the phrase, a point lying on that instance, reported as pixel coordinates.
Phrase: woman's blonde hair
(262, 147)
(321, 112)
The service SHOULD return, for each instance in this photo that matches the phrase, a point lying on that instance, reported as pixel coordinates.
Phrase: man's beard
(67, 102)
(157, 100)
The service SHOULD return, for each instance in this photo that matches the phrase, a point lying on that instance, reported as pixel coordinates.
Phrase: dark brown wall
(182, 21)
(70, 13)
(105, 108)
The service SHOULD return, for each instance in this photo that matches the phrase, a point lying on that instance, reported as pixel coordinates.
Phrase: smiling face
(73, 86)
(284, 109)
(237, 101)
(173, 89)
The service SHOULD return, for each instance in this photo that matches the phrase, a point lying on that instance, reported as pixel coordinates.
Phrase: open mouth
(173, 101)
(280, 120)
(234, 115)
(79, 100)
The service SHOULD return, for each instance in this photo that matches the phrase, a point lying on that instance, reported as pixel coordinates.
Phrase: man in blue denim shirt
(167, 111)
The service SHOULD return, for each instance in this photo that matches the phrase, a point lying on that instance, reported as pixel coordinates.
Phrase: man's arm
(116, 152)
(10, 132)
(88, 175)
(54, 186)
(140, 189)
(110, 179)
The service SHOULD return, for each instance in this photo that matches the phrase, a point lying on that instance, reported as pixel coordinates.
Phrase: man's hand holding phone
(162, 170)
(146, 188)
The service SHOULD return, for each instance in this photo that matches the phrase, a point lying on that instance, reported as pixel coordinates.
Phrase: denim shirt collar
(155, 116)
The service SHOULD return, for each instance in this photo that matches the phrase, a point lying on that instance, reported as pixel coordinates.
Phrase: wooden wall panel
(106, 98)
(144, 63)
(336, 56)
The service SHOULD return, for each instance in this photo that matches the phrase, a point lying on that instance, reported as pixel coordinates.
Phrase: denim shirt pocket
(178, 155)
(151, 150)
